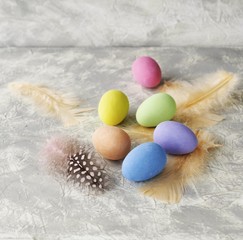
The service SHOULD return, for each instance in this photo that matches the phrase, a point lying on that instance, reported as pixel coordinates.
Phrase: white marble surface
(37, 206)
(121, 23)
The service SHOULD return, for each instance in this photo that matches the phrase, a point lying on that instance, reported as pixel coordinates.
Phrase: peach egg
(111, 142)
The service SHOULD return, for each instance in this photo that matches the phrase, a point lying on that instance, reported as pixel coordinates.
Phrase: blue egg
(144, 162)
(175, 138)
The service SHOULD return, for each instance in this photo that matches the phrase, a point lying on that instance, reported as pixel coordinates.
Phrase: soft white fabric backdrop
(121, 23)
(34, 205)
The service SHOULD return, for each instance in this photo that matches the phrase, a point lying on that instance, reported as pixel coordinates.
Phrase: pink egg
(147, 72)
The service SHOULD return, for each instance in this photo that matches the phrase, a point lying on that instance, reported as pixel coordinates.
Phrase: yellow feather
(207, 93)
(197, 102)
(138, 133)
(197, 106)
(64, 108)
(180, 171)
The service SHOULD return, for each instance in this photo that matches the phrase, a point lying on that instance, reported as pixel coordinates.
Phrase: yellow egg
(111, 142)
(113, 107)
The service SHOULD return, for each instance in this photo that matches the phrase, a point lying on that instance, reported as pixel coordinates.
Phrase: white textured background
(36, 206)
(121, 23)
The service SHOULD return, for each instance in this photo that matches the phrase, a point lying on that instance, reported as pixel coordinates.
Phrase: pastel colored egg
(147, 72)
(113, 107)
(156, 109)
(175, 138)
(144, 162)
(111, 142)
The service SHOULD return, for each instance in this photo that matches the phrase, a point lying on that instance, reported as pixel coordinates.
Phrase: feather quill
(64, 108)
(181, 171)
(197, 103)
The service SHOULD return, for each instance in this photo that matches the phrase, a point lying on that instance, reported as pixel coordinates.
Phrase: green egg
(156, 109)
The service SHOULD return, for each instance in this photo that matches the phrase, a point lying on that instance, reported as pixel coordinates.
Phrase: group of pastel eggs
(148, 159)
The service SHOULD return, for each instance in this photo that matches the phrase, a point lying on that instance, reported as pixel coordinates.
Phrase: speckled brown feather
(84, 170)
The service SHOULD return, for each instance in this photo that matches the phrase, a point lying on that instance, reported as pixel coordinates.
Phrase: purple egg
(175, 138)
